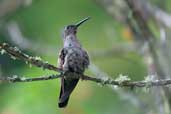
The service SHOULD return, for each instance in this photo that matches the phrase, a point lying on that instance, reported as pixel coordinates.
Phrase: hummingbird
(72, 58)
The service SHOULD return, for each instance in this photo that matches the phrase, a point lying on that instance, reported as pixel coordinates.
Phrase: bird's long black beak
(82, 21)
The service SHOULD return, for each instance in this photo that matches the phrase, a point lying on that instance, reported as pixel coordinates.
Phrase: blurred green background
(42, 23)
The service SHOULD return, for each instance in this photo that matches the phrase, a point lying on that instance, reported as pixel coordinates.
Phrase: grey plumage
(72, 58)
(76, 60)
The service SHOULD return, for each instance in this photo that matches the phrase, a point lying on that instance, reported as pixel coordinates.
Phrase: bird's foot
(65, 74)
(82, 77)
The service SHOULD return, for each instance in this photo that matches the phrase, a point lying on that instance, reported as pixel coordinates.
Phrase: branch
(23, 79)
(14, 52)
(36, 61)
(120, 83)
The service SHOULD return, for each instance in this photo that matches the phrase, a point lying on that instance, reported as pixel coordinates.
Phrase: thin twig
(143, 83)
(23, 79)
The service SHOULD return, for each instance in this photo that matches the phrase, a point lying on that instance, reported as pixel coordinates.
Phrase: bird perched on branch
(72, 58)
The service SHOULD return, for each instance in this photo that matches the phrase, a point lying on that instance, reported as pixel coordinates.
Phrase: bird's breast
(74, 60)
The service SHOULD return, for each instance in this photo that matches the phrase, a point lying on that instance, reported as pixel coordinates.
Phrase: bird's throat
(71, 41)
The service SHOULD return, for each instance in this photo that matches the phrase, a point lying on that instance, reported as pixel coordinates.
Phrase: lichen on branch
(121, 81)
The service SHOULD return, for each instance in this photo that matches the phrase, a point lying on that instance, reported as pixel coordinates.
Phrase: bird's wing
(86, 59)
(61, 58)
(61, 61)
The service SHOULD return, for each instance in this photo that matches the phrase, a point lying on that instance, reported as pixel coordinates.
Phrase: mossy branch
(36, 61)
(16, 53)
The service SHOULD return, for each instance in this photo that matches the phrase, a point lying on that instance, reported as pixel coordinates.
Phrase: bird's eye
(68, 27)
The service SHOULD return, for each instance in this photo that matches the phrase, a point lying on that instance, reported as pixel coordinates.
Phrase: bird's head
(72, 29)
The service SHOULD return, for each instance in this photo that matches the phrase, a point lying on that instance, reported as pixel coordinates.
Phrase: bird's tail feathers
(67, 86)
